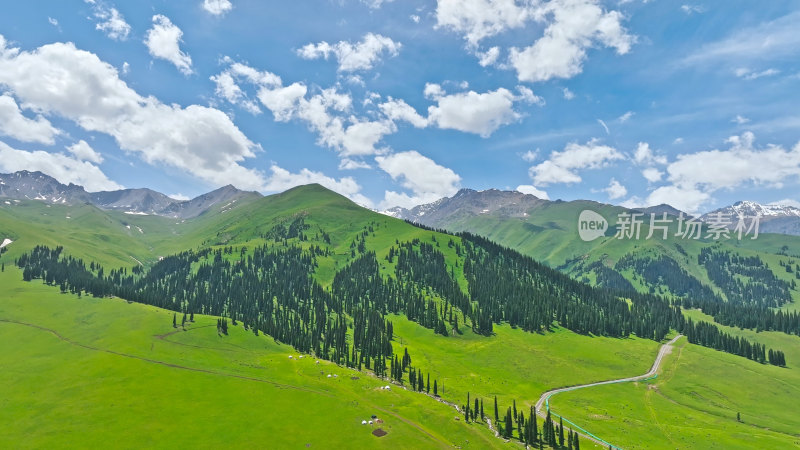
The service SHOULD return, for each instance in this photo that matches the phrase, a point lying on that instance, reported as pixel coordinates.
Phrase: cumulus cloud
(645, 156)
(571, 27)
(399, 110)
(217, 7)
(14, 124)
(488, 57)
(532, 190)
(427, 180)
(568, 95)
(615, 190)
(530, 155)
(479, 19)
(59, 79)
(652, 174)
(563, 166)
(84, 152)
(576, 26)
(327, 112)
(472, 112)
(63, 168)
(163, 41)
(110, 21)
(362, 55)
(694, 177)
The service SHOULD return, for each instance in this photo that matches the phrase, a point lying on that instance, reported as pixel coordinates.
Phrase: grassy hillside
(695, 400)
(133, 339)
(110, 371)
(549, 234)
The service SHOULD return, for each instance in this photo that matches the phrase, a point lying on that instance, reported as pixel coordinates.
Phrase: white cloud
(126, 68)
(59, 166)
(281, 180)
(479, 19)
(570, 28)
(414, 18)
(626, 117)
(433, 91)
(180, 197)
(427, 180)
(217, 7)
(645, 156)
(59, 79)
(397, 110)
(569, 95)
(684, 198)
(351, 164)
(375, 4)
(740, 120)
(652, 174)
(766, 41)
(472, 112)
(352, 57)
(14, 124)
(563, 166)
(53, 22)
(163, 41)
(603, 124)
(749, 75)
(84, 152)
(698, 175)
(111, 22)
(283, 101)
(615, 190)
(488, 57)
(327, 112)
(531, 190)
(576, 26)
(692, 9)
(530, 156)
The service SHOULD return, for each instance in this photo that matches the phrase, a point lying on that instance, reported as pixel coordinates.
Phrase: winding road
(544, 399)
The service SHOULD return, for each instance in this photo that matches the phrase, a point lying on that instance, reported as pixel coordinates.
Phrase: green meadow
(114, 373)
(694, 401)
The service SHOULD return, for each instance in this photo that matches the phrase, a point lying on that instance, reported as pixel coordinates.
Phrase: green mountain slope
(312, 269)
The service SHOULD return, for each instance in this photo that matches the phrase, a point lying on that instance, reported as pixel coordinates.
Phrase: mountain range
(26, 185)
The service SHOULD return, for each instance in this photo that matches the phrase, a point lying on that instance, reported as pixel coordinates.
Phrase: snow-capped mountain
(782, 219)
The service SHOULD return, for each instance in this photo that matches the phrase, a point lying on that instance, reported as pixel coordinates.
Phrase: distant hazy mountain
(132, 200)
(26, 185)
(781, 219)
(467, 203)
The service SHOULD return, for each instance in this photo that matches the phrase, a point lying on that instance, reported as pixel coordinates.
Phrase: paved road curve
(543, 400)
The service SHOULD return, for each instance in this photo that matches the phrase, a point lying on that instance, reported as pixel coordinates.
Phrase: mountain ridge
(26, 185)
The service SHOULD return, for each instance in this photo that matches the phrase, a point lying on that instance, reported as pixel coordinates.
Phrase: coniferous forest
(272, 289)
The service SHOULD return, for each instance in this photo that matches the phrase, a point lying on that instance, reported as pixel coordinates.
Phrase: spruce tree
(435, 389)
(174, 320)
(561, 431)
(496, 416)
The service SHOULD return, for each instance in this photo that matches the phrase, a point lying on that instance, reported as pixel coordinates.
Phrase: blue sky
(403, 102)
